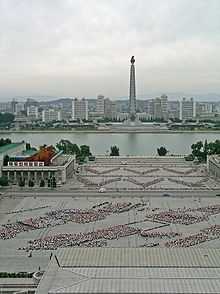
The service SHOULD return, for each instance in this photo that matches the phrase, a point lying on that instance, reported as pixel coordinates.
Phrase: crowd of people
(188, 241)
(81, 239)
(213, 231)
(204, 235)
(210, 209)
(159, 234)
(177, 217)
(63, 216)
(9, 231)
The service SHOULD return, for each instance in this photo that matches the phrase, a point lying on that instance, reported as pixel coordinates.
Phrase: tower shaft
(132, 94)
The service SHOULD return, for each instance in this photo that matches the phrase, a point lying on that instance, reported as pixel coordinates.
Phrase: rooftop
(138, 257)
(132, 270)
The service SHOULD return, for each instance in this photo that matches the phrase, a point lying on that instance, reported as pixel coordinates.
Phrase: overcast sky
(83, 47)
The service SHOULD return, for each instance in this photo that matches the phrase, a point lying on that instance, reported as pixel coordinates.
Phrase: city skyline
(44, 53)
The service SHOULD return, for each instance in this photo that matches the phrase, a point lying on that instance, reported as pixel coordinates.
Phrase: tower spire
(132, 93)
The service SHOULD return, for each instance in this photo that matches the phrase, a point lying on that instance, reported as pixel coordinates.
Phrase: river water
(129, 144)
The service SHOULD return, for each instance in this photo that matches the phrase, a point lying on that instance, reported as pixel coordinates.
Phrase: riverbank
(112, 131)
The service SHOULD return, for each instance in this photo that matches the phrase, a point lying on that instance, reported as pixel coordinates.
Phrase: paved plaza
(34, 228)
(144, 174)
(146, 202)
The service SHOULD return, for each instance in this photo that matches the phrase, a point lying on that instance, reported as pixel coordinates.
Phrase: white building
(203, 109)
(51, 115)
(110, 109)
(174, 109)
(80, 109)
(100, 104)
(32, 112)
(5, 107)
(159, 107)
(61, 167)
(19, 107)
(157, 110)
(164, 106)
(187, 109)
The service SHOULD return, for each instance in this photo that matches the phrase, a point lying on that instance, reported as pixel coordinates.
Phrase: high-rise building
(49, 115)
(157, 109)
(132, 92)
(173, 109)
(160, 107)
(13, 106)
(187, 109)
(80, 109)
(203, 108)
(5, 107)
(100, 104)
(110, 109)
(32, 112)
(164, 106)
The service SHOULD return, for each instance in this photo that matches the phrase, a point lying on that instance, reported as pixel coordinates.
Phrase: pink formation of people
(177, 217)
(185, 216)
(82, 239)
(159, 234)
(204, 235)
(63, 216)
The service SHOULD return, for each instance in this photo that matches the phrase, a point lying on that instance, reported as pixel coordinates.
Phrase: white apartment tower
(100, 104)
(164, 106)
(80, 109)
(187, 109)
(32, 112)
(50, 115)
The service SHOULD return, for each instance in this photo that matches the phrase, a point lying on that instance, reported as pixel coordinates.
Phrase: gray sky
(83, 47)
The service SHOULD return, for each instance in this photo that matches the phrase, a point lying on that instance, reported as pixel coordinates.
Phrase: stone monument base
(132, 123)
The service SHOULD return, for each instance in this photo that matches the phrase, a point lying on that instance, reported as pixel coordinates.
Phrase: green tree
(85, 150)
(5, 141)
(6, 118)
(114, 151)
(3, 181)
(67, 147)
(162, 151)
(196, 149)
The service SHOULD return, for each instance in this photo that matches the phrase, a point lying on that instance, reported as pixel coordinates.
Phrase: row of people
(177, 217)
(62, 216)
(78, 239)
(159, 234)
(204, 235)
